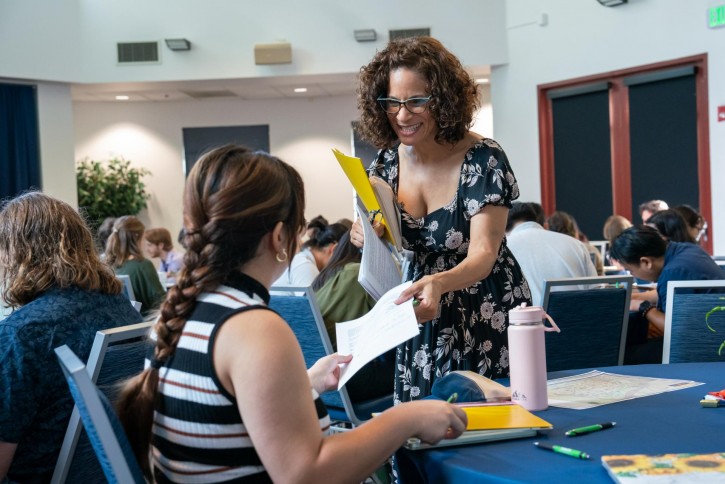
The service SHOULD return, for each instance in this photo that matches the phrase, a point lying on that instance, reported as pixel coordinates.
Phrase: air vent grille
(404, 33)
(209, 94)
(138, 52)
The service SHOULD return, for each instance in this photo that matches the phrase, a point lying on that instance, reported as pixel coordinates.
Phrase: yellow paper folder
(493, 417)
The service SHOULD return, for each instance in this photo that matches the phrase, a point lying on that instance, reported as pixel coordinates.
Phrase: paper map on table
(596, 388)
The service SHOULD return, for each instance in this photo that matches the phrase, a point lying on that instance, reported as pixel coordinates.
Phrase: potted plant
(110, 189)
(707, 322)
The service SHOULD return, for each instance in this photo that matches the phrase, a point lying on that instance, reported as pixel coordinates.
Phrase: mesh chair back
(117, 354)
(593, 323)
(687, 337)
(101, 423)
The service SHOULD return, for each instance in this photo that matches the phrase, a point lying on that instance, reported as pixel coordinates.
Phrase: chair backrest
(601, 245)
(305, 318)
(101, 423)
(593, 322)
(127, 287)
(687, 336)
(116, 354)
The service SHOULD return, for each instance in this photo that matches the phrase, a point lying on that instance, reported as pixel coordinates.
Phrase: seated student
(696, 223)
(157, 243)
(313, 257)
(103, 232)
(646, 255)
(544, 254)
(226, 396)
(613, 226)
(123, 254)
(650, 207)
(341, 298)
(671, 225)
(564, 223)
(61, 293)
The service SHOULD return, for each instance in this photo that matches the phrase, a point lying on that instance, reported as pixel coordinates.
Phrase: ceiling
(250, 88)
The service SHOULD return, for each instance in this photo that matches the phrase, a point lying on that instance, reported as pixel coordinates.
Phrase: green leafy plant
(110, 189)
(707, 322)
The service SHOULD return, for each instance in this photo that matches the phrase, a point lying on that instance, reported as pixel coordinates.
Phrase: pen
(590, 428)
(416, 302)
(452, 398)
(577, 454)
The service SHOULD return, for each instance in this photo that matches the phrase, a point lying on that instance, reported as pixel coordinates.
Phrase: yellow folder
(492, 417)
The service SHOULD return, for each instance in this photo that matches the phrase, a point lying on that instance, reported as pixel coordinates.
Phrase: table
(667, 423)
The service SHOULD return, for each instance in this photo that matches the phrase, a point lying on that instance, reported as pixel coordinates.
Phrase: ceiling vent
(404, 33)
(209, 94)
(138, 52)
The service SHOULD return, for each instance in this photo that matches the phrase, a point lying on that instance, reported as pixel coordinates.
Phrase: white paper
(379, 269)
(384, 327)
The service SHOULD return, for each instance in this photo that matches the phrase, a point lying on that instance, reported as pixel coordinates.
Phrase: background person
(564, 223)
(157, 243)
(454, 188)
(124, 255)
(241, 389)
(696, 223)
(62, 293)
(650, 207)
(313, 257)
(670, 224)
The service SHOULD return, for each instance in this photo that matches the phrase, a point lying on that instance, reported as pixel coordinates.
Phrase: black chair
(304, 317)
(116, 355)
(593, 322)
(688, 337)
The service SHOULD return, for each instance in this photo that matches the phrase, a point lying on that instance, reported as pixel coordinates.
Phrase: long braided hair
(232, 199)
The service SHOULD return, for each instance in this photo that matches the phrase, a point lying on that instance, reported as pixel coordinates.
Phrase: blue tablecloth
(667, 423)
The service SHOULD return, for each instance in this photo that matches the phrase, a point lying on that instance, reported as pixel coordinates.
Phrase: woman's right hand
(435, 420)
(357, 236)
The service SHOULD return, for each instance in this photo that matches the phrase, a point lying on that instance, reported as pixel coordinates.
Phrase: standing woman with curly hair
(226, 396)
(454, 188)
(124, 254)
(62, 294)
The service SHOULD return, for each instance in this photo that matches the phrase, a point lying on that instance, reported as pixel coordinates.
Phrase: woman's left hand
(427, 291)
(325, 373)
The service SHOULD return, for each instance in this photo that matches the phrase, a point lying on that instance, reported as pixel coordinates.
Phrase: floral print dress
(470, 332)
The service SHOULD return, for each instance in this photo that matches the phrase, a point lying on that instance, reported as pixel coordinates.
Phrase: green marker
(416, 302)
(577, 454)
(452, 398)
(590, 428)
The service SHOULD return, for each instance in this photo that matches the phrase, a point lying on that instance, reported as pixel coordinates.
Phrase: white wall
(302, 133)
(584, 38)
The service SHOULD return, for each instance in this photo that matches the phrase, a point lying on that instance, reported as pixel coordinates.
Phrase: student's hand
(357, 237)
(427, 291)
(437, 420)
(325, 373)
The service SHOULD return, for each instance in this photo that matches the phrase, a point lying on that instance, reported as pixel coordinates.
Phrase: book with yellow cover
(666, 468)
(487, 423)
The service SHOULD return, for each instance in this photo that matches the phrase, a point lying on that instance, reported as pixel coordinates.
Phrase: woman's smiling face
(410, 128)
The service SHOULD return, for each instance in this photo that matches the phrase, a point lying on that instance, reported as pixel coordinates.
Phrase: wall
(302, 132)
(584, 38)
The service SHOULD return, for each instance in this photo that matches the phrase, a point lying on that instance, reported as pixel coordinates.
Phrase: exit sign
(716, 16)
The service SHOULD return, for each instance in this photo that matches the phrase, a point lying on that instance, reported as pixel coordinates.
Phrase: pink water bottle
(527, 356)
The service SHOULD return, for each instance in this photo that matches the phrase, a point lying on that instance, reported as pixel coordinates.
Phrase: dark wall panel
(198, 141)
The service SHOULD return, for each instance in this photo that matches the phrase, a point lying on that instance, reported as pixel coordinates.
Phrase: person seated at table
(157, 243)
(544, 254)
(646, 255)
(696, 223)
(124, 255)
(670, 224)
(564, 223)
(341, 298)
(539, 211)
(226, 397)
(62, 294)
(313, 257)
(103, 232)
(315, 225)
(650, 207)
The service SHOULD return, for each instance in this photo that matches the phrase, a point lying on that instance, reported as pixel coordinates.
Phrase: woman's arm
(487, 231)
(258, 359)
(7, 452)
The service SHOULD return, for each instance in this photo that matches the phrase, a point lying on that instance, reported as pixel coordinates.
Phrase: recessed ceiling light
(122, 98)
(300, 89)
(482, 81)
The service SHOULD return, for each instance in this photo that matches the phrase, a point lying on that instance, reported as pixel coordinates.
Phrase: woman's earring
(283, 258)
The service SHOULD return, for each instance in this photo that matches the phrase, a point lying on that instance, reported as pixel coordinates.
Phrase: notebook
(666, 468)
(487, 423)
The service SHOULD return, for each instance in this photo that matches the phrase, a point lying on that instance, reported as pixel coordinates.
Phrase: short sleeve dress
(470, 333)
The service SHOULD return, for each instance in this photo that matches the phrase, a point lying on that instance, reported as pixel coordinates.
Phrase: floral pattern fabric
(470, 331)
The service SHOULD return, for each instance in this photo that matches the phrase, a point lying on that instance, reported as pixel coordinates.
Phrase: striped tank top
(198, 434)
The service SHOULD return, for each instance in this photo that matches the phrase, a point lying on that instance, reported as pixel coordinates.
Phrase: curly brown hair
(454, 94)
(232, 199)
(45, 243)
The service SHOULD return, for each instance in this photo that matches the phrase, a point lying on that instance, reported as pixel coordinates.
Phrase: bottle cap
(526, 315)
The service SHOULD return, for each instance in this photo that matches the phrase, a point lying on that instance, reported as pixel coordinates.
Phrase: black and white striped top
(198, 433)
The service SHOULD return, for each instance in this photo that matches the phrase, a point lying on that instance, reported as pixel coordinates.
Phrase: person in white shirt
(543, 254)
(313, 257)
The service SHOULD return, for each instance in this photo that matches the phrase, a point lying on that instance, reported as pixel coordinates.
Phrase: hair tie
(114, 231)
(157, 364)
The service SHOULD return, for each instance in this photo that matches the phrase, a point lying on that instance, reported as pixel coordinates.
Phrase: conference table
(672, 422)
